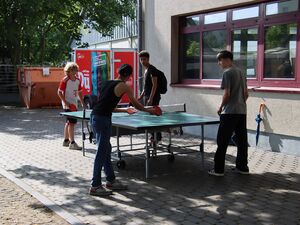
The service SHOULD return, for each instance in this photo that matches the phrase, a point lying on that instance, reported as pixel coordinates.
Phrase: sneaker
(75, 146)
(66, 143)
(100, 191)
(241, 171)
(116, 185)
(214, 173)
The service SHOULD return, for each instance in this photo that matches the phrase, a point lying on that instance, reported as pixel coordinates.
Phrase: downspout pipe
(140, 43)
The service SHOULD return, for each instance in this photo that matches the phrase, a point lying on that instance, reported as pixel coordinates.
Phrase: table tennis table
(141, 122)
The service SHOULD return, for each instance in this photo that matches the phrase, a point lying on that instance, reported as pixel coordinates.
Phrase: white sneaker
(100, 191)
(74, 146)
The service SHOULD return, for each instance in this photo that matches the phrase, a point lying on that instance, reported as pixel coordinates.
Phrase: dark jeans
(102, 129)
(230, 123)
(156, 100)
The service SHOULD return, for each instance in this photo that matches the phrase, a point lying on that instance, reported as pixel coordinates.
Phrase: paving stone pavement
(177, 193)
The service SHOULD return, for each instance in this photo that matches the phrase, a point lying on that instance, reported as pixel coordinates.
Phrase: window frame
(260, 22)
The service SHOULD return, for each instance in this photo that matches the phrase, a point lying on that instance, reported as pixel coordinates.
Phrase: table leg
(170, 141)
(147, 155)
(83, 136)
(131, 142)
(118, 143)
(202, 145)
(155, 143)
(202, 139)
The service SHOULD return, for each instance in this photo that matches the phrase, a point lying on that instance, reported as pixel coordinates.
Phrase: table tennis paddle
(157, 110)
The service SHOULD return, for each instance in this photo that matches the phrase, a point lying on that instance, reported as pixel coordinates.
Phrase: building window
(192, 21)
(213, 42)
(281, 7)
(191, 56)
(280, 51)
(244, 48)
(246, 13)
(215, 18)
(262, 39)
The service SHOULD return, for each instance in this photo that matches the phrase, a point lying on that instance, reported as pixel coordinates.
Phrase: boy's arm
(81, 99)
(141, 95)
(225, 99)
(153, 90)
(123, 88)
(62, 97)
(246, 93)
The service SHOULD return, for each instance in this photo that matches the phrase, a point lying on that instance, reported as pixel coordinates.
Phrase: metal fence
(128, 29)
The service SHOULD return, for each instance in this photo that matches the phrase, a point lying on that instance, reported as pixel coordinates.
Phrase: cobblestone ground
(18, 207)
(177, 193)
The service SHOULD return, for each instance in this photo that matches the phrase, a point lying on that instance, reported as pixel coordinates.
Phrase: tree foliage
(39, 31)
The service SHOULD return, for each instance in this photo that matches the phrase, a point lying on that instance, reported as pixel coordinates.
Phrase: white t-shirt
(70, 90)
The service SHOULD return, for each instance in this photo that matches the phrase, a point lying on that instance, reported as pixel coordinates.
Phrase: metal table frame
(145, 130)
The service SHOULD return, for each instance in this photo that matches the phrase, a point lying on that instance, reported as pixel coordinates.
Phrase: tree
(39, 31)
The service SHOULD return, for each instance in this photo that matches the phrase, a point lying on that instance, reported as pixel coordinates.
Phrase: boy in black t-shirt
(151, 92)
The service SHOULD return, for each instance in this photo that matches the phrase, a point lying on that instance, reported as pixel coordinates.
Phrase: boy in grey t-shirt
(232, 113)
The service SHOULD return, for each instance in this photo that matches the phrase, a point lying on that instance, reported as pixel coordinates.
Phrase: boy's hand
(219, 111)
(155, 110)
(66, 103)
(131, 110)
(158, 110)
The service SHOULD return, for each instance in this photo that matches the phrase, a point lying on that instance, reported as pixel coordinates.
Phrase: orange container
(38, 86)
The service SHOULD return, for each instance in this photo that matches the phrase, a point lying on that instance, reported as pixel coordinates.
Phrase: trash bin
(38, 86)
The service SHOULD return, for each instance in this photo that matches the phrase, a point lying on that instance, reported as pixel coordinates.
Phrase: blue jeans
(102, 128)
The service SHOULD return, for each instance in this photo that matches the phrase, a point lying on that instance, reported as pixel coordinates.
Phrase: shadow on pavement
(181, 191)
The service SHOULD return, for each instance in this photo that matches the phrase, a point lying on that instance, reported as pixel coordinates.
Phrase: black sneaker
(241, 171)
(66, 143)
(214, 173)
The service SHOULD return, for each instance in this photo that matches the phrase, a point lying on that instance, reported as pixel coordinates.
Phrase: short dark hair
(144, 53)
(125, 70)
(224, 55)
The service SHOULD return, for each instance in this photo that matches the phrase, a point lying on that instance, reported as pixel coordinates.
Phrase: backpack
(162, 82)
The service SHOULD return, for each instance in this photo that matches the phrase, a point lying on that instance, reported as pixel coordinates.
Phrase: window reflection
(280, 51)
(215, 18)
(213, 43)
(245, 13)
(245, 50)
(192, 21)
(281, 7)
(191, 56)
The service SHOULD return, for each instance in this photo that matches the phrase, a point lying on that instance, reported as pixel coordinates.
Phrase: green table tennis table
(141, 122)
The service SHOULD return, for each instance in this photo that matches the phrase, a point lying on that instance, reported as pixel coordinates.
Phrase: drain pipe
(140, 43)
